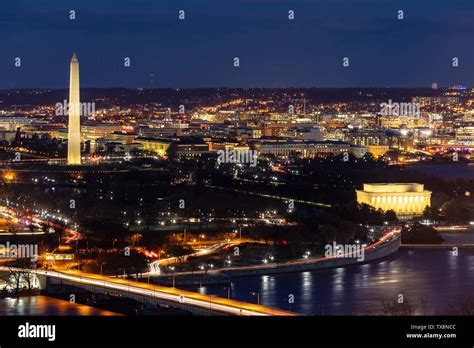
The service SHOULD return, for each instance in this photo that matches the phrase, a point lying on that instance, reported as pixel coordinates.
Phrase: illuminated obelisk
(74, 119)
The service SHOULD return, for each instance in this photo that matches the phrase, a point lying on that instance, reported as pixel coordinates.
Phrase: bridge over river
(195, 303)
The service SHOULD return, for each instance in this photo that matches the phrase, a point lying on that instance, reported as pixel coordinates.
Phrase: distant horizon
(236, 88)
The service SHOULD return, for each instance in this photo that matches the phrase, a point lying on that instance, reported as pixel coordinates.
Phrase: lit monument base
(407, 200)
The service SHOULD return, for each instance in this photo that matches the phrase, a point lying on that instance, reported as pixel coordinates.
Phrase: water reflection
(432, 276)
(43, 305)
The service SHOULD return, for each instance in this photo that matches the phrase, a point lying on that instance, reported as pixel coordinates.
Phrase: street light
(228, 291)
(210, 302)
(172, 275)
(258, 296)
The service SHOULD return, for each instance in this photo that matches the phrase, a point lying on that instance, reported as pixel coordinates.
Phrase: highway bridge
(197, 304)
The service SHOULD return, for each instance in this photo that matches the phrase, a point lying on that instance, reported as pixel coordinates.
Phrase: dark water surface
(43, 305)
(445, 171)
(436, 277)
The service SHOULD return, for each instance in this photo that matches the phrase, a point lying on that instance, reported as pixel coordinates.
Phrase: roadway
(178, 296)
(11, 213)
(155, 266)
(384, 239)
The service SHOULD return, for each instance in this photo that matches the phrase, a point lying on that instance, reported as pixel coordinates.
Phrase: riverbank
(383, 248)
(387, 245)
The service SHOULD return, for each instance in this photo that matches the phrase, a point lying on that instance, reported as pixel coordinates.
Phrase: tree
(19, 272)
(456, 212)
(419, 234)
(135, 238)
(137, 262)
(14, 280)
(431, 213)
(328, 232)
(179, 251)
(391, 216)
(368, 157)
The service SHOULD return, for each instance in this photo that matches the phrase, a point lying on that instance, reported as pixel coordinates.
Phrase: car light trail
(218, 304)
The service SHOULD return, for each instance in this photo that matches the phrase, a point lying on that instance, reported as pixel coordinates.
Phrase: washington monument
(74, 118)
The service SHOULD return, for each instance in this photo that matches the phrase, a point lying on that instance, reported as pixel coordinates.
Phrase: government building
(408, 199)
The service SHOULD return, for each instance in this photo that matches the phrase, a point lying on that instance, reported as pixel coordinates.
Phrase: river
(44, 305)
(431, 281)
(445, 171)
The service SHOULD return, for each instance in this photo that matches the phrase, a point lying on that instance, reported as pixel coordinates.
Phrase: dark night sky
(274, 51)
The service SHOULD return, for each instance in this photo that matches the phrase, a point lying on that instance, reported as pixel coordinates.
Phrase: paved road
(218, 304)
(384, 239)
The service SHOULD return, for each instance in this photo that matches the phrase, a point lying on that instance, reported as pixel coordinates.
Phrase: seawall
(376, 252)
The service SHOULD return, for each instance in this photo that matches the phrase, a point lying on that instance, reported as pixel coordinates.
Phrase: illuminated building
(248, 132)
(408, 199)
(368, 138)
(7, 136)
(156, 145)
(465, 135)
(306, 149)
(13, 123)
(8, 176)
(162, 132)
(394, 139)
(359, 151)
(74, 118)
(272, 129)
(304, 133)
(378, 150)
(189, 147)
(217, 144)
(99, 130)
(121, 137)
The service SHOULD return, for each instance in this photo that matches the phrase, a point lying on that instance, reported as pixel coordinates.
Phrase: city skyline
(165, 161)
